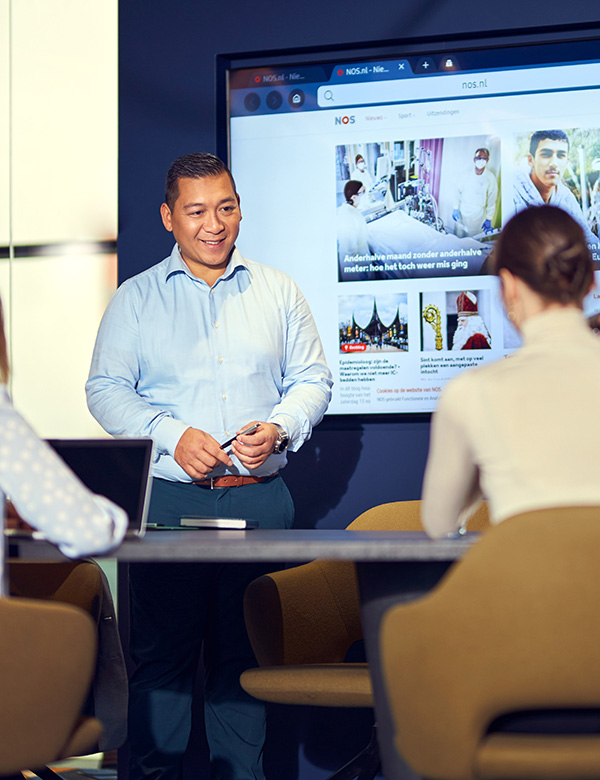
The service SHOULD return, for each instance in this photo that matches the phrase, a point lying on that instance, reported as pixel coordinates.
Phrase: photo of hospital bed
(397, 233)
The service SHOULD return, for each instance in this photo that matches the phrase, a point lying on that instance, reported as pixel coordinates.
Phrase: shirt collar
(175, 264)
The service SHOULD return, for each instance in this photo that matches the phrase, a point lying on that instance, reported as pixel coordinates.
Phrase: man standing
(190, 352)
(477, 194)
(548, 159)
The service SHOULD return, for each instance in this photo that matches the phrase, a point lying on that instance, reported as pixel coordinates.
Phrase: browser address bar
(459, 85)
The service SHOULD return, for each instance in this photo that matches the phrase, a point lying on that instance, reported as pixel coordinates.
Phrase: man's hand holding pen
(198, 453)
(252, 449)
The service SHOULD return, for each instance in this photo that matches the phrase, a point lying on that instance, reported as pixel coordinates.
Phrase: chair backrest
(83, 584)
(69, 582)
(513, 626)
(47, 658)
(311, 613)
(406, 516)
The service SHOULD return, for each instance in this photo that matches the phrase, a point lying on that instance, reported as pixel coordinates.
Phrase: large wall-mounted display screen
(381, 180)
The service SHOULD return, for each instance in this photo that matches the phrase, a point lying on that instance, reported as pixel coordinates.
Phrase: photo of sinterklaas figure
(455, 320)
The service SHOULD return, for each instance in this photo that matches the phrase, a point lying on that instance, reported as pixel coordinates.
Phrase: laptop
(116, 468)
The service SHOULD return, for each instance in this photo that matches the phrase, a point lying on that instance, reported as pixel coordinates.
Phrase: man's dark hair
(551, 135)
(197, 165)
(482, 149)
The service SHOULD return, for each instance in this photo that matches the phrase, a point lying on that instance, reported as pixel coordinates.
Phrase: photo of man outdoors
(548, 162)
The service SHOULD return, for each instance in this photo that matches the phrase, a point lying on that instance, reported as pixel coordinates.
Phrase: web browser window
(382, 184)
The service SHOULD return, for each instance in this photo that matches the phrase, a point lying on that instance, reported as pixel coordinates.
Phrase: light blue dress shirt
(173, 352)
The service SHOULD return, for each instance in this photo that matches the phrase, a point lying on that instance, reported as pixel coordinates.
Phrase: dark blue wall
(167, 98)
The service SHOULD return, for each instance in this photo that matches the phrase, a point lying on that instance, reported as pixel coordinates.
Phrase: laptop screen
(116, 468)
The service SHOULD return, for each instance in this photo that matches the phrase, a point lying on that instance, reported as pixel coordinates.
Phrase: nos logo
(344, 120)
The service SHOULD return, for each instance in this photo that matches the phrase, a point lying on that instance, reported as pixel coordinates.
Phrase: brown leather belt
(230, 480)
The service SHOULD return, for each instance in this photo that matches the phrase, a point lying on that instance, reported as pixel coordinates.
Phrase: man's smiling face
(205, 221)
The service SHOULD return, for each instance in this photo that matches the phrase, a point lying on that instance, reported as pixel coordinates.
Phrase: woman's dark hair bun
(546, 248)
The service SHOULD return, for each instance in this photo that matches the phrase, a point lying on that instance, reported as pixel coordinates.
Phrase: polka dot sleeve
(47, 494)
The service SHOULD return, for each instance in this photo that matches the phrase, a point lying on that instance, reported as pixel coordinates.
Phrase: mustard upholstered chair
(47, 658)
(302, 622)
(514, 627)
(83, 584)
(78, 583)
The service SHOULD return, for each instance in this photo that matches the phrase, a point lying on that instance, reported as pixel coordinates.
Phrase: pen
(250, 429)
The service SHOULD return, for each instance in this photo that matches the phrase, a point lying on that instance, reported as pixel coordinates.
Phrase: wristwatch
(282, 440)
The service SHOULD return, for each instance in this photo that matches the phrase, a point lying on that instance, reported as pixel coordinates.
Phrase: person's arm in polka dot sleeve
(48, 496)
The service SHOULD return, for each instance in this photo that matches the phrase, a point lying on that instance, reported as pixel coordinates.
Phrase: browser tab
(371, 71)
(271, 77)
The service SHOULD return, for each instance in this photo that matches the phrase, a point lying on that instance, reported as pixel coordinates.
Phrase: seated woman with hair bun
(522, 432)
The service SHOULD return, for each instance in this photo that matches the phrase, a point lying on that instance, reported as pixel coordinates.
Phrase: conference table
(290, 546)
(392, 566)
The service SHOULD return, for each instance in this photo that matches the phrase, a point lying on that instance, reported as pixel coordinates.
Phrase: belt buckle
(212, 483)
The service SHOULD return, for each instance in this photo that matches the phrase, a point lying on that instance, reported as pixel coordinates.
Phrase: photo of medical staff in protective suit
(476, 204)
(455, 320)
(416, 208)
(561, 168)
(370, 323)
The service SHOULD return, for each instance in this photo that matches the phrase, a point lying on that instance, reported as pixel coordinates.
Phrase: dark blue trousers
(176, 609)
